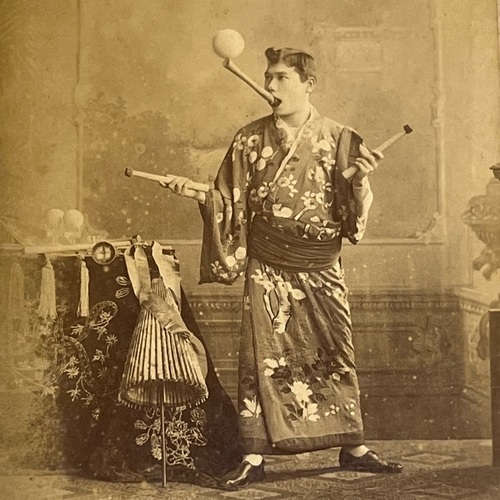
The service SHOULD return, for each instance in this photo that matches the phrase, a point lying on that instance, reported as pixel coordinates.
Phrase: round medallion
(103, 253)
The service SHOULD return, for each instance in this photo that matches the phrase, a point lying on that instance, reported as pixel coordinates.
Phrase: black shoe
(369, 462)
(244, 474)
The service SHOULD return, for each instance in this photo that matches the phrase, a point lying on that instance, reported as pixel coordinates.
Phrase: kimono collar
(289, 134)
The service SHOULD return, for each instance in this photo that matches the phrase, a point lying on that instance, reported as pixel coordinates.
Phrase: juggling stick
(196, 186)
(349, 172)
(229, 44)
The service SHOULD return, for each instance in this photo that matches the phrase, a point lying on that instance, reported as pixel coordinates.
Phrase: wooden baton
(195, 186)
(349, 172)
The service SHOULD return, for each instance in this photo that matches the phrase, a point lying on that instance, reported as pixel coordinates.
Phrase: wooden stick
(163, 439)
(349, 172)
(228, 64)
(80, 247)
(196, 186)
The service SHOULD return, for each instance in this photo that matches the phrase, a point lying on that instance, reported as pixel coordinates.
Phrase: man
(277, 215)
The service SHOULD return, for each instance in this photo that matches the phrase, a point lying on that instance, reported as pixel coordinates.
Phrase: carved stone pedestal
(483, 216)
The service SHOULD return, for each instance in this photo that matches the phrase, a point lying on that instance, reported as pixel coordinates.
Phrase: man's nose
(270, 85)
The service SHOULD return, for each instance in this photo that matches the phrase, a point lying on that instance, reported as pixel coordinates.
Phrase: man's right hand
(179, 186)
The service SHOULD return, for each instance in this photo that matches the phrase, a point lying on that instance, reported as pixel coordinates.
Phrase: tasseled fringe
(47, 306)
(83, 305)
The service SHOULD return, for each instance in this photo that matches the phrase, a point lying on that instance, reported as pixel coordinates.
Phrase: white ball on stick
(228, 44)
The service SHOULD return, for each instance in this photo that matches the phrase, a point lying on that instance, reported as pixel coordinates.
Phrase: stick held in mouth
(229, 44)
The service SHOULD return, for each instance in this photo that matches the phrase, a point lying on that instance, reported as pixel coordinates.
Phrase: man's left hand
(366, 163)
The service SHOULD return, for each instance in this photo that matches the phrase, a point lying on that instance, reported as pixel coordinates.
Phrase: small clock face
(103, 253)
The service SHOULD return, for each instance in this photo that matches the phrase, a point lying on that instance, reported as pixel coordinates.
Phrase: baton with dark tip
(195, 186)
(349, 172)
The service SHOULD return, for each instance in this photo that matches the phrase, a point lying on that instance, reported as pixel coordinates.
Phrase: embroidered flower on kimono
(296, 293)
(253, 140)
(333, 410)
(326, 186)
(261, 279)
(267, 152)
(288, 182)
(265, 155)
(230, 261)
(263, 190)
(254, 195)
(327, 162)
(241, 253)
(320, 198)
(241, 217)
(322, 144)
(309, 200)
(273, 364)
(261, 164)
(253, 408)
(284, 181)
(238, 144)
(216, 267)
(252, 157)
(310, 412)
(301, 391)
(316, 174)
(284, 212)
(219, 217)
(236, 194)
(307, 132)
(323, 232)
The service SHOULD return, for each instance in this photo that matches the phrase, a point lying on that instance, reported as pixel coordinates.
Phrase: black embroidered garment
(98, 434)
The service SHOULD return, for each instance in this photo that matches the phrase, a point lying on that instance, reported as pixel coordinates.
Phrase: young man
(277, 214)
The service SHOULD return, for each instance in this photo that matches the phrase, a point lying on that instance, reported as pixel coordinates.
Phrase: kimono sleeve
(224, 213)
(345, 208)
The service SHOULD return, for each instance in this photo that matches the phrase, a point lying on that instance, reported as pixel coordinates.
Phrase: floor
(433, 470)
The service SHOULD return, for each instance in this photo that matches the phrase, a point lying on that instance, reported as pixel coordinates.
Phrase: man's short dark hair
(304, 63)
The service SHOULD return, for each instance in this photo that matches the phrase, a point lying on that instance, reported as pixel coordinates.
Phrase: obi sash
(273, 246)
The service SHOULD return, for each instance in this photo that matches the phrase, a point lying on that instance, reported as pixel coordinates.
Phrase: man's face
(284, 82)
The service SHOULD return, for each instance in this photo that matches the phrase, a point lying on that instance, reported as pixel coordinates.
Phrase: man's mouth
(276, 102)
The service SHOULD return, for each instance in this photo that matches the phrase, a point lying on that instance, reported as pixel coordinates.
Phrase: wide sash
(273, 246)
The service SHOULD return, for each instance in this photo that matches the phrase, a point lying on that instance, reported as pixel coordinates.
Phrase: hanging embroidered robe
(277, 215)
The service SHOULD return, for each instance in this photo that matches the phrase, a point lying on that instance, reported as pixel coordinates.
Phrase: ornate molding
(436, 26)
(206, 304)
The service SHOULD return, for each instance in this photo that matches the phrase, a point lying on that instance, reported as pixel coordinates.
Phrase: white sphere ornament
(73, 219)
(54, 218)
(228, 44)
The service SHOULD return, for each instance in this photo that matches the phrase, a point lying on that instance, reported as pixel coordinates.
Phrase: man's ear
(311, 84)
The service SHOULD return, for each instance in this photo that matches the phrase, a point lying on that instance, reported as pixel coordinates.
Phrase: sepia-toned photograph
(250, 249)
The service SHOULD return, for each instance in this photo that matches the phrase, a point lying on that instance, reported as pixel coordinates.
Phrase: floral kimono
(277, 215)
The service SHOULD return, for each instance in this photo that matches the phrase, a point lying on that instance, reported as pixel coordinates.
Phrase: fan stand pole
(163, 438)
